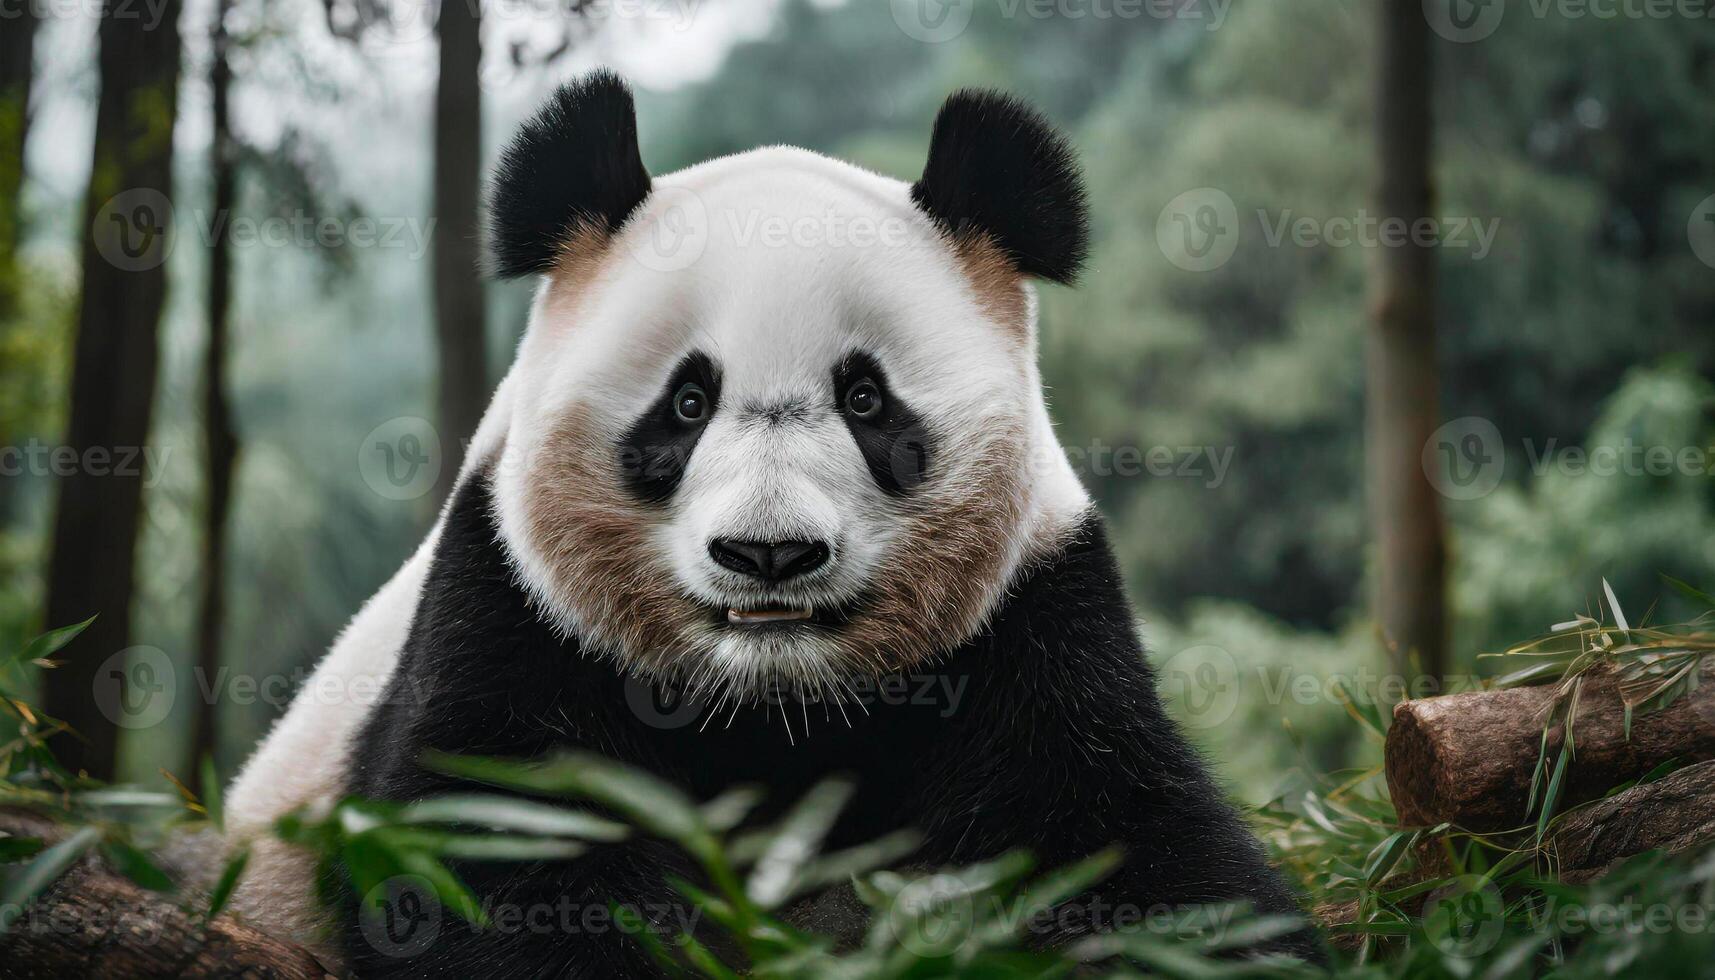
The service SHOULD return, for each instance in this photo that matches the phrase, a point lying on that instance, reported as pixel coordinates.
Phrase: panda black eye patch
(656, 449)
(893, 440)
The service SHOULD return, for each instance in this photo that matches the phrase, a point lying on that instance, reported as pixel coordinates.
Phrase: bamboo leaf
(226, 884)
(14, 849)
(514, 814)
(137, 866)
(51, 642)
(48, 866)
(211, 793)
(1551, 798)
(1614, 606)
(795, 842)
(1385, 855)
(1690, 591)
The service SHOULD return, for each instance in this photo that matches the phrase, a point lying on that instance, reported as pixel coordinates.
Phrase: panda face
(813, 446)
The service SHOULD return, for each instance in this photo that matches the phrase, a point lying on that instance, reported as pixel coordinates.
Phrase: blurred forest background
(1586, 144)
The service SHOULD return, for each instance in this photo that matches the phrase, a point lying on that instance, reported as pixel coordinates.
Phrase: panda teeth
(756, 617)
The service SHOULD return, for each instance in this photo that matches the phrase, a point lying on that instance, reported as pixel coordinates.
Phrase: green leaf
(1061, 884)
(449, 888)
(226, 884)
(482, 847)
(1385, 855)
(643, 932)
(134, 864)
(1690, 591)
(1254, 931)
(211, 793)
(42, 872)
(650, 803)
(1551, 798)
(120, 797)
(1363, 709)
(514, 814)
(842, 866)
(795, 841)
(728, 810)
(50, 642)
(705, 961)
(1614, 606)
(18, 848)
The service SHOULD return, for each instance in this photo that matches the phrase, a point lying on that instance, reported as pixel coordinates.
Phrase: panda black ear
(997, 168)
(574, 165)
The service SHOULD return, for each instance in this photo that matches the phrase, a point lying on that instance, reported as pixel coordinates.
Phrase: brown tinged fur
(590, 534)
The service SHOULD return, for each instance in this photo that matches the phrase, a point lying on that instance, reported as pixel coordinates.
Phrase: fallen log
(1674, 814)
(1467, 759)
(93, 922)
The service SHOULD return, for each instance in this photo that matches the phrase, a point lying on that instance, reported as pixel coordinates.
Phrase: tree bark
(220, 443)
(91, 568)
(95, 923)
(1468, 758)
(1674, 814)
(1401, 406)
(460, 330)
(17, 61)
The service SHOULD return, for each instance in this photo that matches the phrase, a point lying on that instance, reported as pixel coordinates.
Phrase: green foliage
(1433, 902)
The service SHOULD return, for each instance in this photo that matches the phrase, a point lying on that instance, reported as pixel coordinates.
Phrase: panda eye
(863, 400)
(691, 404)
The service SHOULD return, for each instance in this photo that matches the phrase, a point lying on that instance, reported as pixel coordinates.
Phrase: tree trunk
(17, 59)
(1401, 408)
(459, 318)
(126, 238)
(219, 441)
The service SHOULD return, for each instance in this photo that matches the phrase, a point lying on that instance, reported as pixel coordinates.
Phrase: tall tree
(220, 443)
(1401, 381)
(459, 317)
(126, 233)
(17, 59)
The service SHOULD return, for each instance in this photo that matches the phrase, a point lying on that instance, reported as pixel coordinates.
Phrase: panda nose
(772, 561)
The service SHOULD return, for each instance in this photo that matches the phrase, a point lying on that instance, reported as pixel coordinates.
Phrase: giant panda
(775, 425)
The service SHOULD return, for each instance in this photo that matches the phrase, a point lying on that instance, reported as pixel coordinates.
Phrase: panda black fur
(521, 627)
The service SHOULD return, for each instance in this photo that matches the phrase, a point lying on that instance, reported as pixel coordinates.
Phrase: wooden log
(93, 922)
(1675, 814)
(1467, 759)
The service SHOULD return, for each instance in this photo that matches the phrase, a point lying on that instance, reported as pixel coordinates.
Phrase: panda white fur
(775, 426)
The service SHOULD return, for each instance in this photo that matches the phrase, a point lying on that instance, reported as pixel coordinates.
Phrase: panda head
(775, 418)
